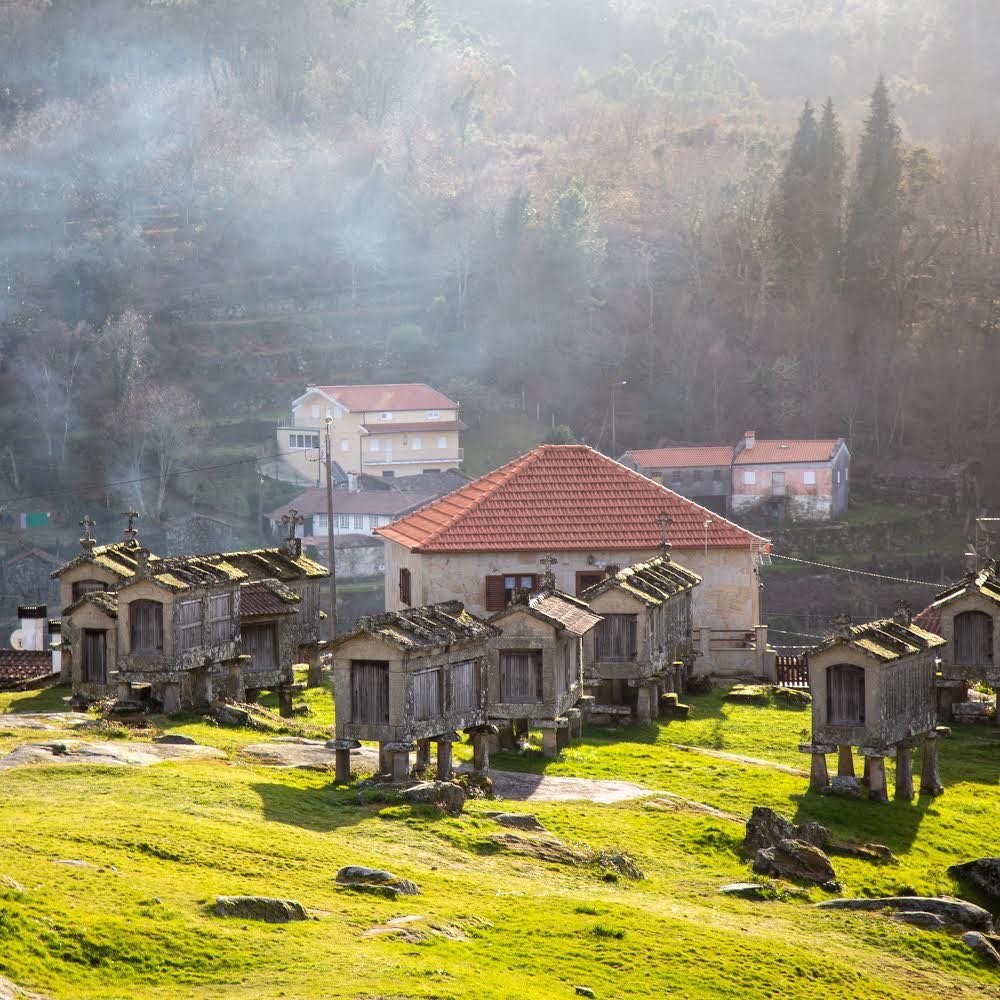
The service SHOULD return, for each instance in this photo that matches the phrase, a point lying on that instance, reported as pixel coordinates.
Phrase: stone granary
(171, 630)
(642, 645)
(967, 617)
(407, 678)
(873, 688)
(536, 661)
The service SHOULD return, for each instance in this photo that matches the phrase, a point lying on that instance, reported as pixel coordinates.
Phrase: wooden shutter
(404, 587)
(521, 676)
(973, 639)
(370, 692)
(496, 597)
(616, 638)
(463, 687)
(427, 693)
(260, 643)
(146, 627)
(845, 695)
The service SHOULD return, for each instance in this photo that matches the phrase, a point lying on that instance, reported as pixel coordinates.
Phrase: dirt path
(122, 753)
(736, 758)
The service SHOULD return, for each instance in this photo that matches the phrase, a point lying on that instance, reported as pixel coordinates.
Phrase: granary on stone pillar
(536, 673)
(873, 690)
(967, 617)
(642, 647)
(407, 679)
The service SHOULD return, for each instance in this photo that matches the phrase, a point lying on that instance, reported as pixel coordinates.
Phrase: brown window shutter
(404, 587)
(496, 596)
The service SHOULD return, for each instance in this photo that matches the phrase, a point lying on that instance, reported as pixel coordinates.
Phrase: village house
(536, 664)
(642, 645)
(383, 430)
(170, 630)
(484, 541)
(34, 658)
(967, 617)
(409, 678)
(872, 688)
(798, 479)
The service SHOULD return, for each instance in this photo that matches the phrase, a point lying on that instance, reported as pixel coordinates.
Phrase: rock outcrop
(795, 859)
(983, 873)
(956, 910)
(766, 828)
(445, 794)
(375, 882)
(266, 908)
(978, 943)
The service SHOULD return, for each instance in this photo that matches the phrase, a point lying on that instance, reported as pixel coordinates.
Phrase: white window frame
(373, 444)
(315, 411)
(749, 477)
(386, 415)
(838, 477)
(433, 414)
(416, 444)
(442, 442)
(337, 412)
(808, 477)
(345, 444)
(343, 522)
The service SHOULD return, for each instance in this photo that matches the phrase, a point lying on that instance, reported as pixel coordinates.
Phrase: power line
(801, 635)
(860, 572)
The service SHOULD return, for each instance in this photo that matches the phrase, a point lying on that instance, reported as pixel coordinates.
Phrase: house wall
(402, 725)
(899, 698)
(351, 446)
(521, 630)
(729, 597)
(697, 483)
(987, 672)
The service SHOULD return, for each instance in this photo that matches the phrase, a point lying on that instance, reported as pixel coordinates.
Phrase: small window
(846, 474)
(676, 475)
(749, 477)
(442, 442)
(404, 586)
(315, 411)
(696, 476)
(433, 414)
(417, 444)
(388, 474)
(82, 587)
(518, 581)
(359, 522)
(406, 440)
(189, 616)
(220, 618)
(343, 522)
(345, 445)
(585, 580)
(385, 416)
(145, 627)
(716, 475)
(337, 412)
(373, 444)
(500, 588)
(838, 476)
(809, 477)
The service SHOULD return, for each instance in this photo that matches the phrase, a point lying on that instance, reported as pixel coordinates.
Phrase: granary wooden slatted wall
(427, 693)
(521, 676)
(260, 642)
(463, 691)
(370, 691)
(973, 638)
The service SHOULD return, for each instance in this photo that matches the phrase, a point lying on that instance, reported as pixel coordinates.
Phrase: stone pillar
(549, 745)
(314, 669)
(904, 772)
(845, 761)
(562, 735)
(480, 752)
(444, 767)
(401, 765)
(423, 758)
(643, 713)
(384, 758)
(930, 779)
(285, 701)
(201, 688)
(235, 690)
(124, 691)
(818, 776)
(866, 773)
(342, 750)
(654, 695)
(575, 718)
(876, 780)
(171, 698)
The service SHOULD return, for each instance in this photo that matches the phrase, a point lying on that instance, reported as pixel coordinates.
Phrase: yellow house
(381, 430)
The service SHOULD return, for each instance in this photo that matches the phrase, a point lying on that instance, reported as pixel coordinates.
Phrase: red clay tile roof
(929, 619)
(561, 497)
(267, 597)
(427, 426)
(397, 396)
(18, 665)
(788, 450)
(683, 456)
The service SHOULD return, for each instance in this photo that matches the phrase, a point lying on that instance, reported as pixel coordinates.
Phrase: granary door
(370, 691)
(260, 642)
(95, 656)
(973, 639)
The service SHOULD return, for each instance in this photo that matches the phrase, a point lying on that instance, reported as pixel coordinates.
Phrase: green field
(161, 843)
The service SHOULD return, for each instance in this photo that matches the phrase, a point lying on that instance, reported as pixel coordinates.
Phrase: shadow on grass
(44, 700)
(319, 809)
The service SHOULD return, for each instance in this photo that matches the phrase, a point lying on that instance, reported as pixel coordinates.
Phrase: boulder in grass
(176, 739)
(447, 795)
(362, 879)
(746, 890)
(517, 821)
(983, 873)
(796, 860)
(766, 828)
(922, 919)
(266, 908)
(978, 943)
(958, 911)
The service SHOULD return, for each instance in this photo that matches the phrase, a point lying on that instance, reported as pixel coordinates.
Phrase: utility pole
(331, 557)
(614, 437)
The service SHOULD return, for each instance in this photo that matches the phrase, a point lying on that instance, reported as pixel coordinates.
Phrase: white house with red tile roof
(804, 480)
(587, 511)
(384, 430)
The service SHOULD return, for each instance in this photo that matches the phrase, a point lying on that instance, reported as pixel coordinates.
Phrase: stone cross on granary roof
(88, 541)
(292, 520)
(663, 521)
(548, 577)
(131, 533)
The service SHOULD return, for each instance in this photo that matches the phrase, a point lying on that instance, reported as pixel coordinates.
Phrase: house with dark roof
(873, 688)
(382, 430)
(644, 633)
(408, 678)
(536, 663)
(488, 539)
(801, 479)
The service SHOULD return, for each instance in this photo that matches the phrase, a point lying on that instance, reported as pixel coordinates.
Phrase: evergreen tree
(873, 218)
(793, 213)
(831, 164)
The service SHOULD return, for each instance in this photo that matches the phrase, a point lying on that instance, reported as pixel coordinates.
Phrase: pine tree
(793, 212)
(831, 165)
(873, 218)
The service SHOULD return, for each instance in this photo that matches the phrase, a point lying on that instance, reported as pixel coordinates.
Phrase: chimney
(352, 482)
(749, 440)
(33, 621)
(902, 612)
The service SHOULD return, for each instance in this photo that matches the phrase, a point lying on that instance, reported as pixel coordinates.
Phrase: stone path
(48, 721)
(121, 754)
(736, 758)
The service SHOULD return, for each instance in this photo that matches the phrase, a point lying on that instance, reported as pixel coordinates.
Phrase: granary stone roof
(422, 629)
(559, 498)
(121, 558)
(653, 582)
(277, 564)
(985, 582)
(556, 608)
(267, 597)
(103, 600)
(886, 640)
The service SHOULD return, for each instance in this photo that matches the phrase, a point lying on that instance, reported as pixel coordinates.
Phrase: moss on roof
(425, 628)
(985, 582)
(886, 639)
(652, 582)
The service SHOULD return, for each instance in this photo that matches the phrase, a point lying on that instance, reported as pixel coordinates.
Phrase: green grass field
(161, 843)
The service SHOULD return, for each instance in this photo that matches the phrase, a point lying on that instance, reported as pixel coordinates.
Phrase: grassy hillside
(160, 843)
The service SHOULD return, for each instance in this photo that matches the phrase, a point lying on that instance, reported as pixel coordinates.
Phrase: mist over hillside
(208, 204)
